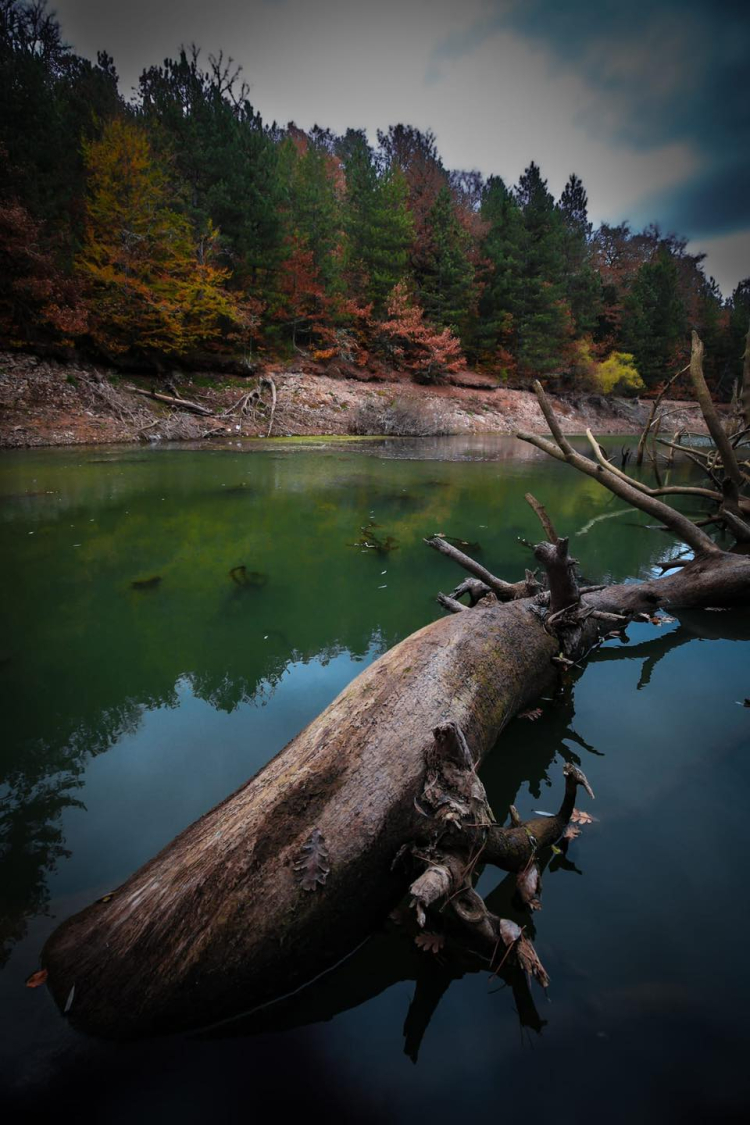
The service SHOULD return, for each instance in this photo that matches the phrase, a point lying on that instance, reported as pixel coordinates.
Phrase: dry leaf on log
(530, 962)
(429, 942)
(528, 884)
(578, 816)
(312, 867)
(37, 978)
(533, 714)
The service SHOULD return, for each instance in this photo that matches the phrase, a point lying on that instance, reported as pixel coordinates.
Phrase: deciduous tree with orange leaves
(150, 289)
(411, 344)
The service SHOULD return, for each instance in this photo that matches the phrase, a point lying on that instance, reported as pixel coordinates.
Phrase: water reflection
(128, 712)
(133, 574)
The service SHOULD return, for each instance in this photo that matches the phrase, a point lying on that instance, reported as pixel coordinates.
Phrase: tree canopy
(181, 224)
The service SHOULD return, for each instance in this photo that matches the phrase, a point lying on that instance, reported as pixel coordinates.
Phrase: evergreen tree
(583, 288)
(736, 333)
(444, 283)
(50, 99)
(224, 155)
(655, 324)
(310, 277)
(494, 337)
(312, 207)
(415, 155)
(378, 225)
(543, 322)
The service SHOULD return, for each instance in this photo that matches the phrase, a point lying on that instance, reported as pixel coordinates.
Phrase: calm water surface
(129, 710)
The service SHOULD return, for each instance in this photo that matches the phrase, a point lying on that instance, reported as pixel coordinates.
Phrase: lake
(145, 675)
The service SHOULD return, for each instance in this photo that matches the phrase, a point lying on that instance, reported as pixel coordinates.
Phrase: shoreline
(50, 403)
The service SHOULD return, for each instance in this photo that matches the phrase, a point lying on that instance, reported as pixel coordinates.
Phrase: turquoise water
(132, 705)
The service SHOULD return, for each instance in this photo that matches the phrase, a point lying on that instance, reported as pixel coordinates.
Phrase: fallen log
(171, 400)
(377, 796)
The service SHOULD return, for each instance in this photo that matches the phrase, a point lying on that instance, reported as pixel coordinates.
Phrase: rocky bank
(45, 402)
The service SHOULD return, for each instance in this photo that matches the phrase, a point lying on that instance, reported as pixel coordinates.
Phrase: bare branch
(745, 395)
(680, 525)
(652, 414)
(560, 569)
(545, 521)
(474, 588)
(505, 591)
(715, 428)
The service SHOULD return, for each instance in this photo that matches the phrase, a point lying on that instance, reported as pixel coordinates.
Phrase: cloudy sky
(646, 100)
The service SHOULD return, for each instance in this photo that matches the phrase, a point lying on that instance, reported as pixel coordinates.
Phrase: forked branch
(621, 486)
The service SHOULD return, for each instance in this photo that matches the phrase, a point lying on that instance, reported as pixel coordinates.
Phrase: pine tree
(736, 331)
(310, 280)
(543, 322)
(203, 122)
(378, 225)
(582, 284)
(655, 325)
(444, 283)
(415, 155)
(50, 99)
(499, 302)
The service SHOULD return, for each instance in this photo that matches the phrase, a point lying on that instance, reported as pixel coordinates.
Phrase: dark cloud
(676, 71)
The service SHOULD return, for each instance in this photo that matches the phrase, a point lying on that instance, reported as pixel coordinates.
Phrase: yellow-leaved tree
(150, 286)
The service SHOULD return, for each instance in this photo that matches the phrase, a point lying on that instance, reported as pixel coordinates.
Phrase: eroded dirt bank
(43, 402)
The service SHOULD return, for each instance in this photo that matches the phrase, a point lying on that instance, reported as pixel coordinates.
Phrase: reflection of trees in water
(31, 842)
(39, 786)
(40, 781)
(110, 652)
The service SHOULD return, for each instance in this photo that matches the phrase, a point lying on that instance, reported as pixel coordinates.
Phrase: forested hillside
(181, 227)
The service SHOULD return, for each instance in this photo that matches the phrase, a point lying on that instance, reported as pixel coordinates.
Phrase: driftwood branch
(652, 415)
(745, 393)
(474, 588)
(560, 568)
(504, 591)
(270, 383)
(171, 400)
(715, 428)
(680, 525)
(541, 513)
(451, 604)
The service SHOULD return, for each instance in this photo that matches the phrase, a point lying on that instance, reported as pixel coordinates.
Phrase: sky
(646, 100)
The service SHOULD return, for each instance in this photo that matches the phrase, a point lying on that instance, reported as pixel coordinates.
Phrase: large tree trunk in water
(220, 921)
(296, 868)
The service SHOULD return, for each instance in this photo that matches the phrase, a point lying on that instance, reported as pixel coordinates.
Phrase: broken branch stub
(560, 568)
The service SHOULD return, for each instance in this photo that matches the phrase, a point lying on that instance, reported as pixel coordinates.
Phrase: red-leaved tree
(413, 345)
